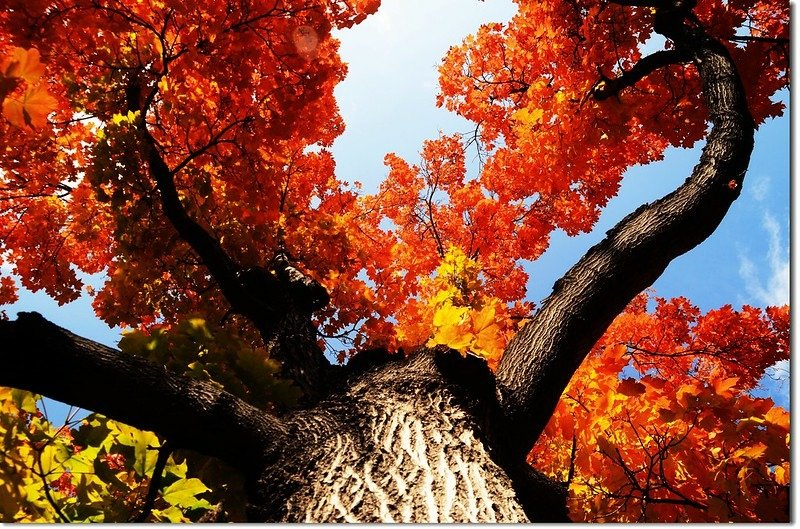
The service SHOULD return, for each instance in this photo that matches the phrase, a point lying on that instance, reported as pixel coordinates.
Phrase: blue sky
(388, 104)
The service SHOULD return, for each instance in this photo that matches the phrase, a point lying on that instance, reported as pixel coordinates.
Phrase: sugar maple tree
(183, 151)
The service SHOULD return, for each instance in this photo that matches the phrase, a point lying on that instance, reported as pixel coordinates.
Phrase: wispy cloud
(774, 289)
(759, 187)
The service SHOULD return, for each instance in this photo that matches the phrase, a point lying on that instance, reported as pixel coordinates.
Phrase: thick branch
(222, 267)
(274, 303)
(39, 356)
(542, 357)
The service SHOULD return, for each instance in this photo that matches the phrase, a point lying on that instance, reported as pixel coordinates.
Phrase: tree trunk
(397, 439)
(400, 443)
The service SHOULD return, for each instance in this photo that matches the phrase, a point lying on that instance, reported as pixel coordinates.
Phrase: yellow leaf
(145, 445)
(450, 315)
(453, 337)
(52, 457)
(489, 338)
(483, 318)
(529, 117)
(183, 492)
(449, 329)
(778, 417)
(748, 421)
(751, 452)
(602, 423)
(782, 475)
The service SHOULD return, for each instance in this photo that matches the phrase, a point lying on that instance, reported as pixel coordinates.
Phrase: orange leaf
(724, 386)
(32, 109)
(23, 64)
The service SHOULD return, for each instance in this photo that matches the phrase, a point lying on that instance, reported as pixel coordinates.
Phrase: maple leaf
(31, 108)
(23, 64)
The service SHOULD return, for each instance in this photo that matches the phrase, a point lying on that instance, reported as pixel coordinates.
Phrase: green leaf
(83, 461)
(53, 457)
(24, 400)
(171, 514)
(145, 445)
(182, 494)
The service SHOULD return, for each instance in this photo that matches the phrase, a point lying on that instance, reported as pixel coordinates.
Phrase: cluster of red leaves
(241, 105)
(551, 154)
(659, 423)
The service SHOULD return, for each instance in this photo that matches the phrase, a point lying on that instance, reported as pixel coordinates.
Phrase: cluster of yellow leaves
(90, 470)
(201, 350)
(456, 312)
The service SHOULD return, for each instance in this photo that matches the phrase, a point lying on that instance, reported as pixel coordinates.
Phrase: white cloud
(760, 187)
(775, 289)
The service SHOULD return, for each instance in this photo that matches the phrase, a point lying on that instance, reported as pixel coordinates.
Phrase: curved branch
(606, 87)
(543, 356)
(274, 305)
(42, 357)
(219, 263)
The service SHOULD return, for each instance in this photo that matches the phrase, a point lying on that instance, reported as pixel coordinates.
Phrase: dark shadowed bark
(432, 437)
(39, 356)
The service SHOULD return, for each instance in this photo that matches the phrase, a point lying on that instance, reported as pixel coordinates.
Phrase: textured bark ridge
(399, 445)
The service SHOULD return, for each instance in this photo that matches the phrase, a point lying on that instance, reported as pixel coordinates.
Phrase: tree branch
(606, 87)
(219, 263)
(543, 356)
(164, 452)
(277, 302)
(46, 487)
(752, 38)
(39, 356)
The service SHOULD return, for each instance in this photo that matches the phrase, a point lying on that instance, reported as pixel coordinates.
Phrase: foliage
(92, 470)
(659, 423)
(203, 351)
(237, 97)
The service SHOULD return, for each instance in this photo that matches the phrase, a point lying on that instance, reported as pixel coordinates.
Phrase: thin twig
(155, 482)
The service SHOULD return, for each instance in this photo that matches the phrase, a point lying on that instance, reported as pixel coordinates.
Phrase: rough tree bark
(432, 437)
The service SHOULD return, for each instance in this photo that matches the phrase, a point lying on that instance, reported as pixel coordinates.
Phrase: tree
(183, 151)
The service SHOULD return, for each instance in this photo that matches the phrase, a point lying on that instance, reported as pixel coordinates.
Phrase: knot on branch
(280, 286)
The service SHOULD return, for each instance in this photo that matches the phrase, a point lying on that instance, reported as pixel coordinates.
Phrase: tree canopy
(183, 151)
